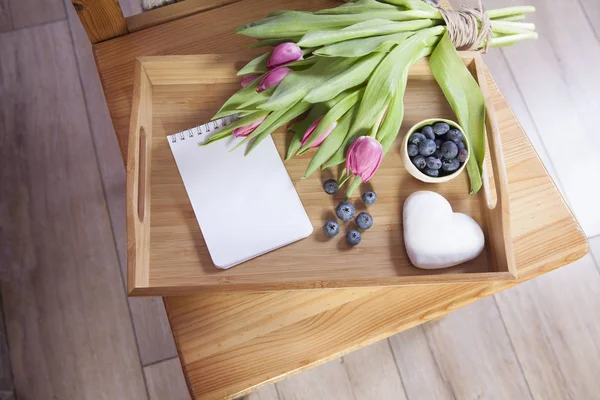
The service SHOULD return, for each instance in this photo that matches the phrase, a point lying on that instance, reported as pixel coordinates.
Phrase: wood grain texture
(34, 12)
(172, 12)
(153, 334)
(308, 386)
(6, 378)
(68, 325)
(5, 18)
(553, 325)
(595, 247)
(373, 374)
(500, 70)
(203, 83)
(474, 356)
(165, 380)
(592, 10)
(544, 233)
(418, 367)
(568, 102)
(102, 19)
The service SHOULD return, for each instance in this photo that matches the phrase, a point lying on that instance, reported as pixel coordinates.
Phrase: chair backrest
(104, 20)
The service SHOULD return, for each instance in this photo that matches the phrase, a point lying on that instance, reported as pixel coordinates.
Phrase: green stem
(511, 39)
(512, 18)
(353, 186)
(506, 27)
(508, 11)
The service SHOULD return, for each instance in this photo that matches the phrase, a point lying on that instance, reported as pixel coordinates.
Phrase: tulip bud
(364, 157)
(321, 138)
(273, 78)
(283, 54)
(248, 79)
(244, 131)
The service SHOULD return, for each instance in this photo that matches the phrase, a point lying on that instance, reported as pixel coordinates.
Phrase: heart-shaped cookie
(435, 236)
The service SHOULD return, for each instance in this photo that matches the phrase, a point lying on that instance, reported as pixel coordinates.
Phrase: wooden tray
(168, 256)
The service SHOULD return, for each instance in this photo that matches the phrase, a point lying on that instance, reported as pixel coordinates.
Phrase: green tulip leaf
(465, 97)
(375, 27)
(256, 66)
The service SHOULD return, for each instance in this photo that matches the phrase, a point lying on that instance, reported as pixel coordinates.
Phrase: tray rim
(148, 73)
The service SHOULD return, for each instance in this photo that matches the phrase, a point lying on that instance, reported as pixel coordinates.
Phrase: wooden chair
(230, 345)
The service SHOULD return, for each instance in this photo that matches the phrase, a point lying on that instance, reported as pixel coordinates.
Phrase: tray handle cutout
(142, 174)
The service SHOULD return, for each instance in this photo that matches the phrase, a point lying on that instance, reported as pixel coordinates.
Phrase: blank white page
(245, 205)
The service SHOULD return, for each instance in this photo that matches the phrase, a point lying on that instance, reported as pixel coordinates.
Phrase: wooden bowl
(414, 171)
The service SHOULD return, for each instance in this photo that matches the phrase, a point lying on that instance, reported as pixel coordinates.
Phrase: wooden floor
(73, 334)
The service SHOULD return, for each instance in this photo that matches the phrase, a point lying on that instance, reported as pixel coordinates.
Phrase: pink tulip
(248, 79)
(244, 131)
(283, 54)
(273, 78)
(321, 138)
(364, 157)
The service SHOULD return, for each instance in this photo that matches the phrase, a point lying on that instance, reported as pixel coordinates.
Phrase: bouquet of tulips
(340, 75)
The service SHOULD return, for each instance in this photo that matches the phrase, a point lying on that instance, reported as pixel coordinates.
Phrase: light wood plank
(66, 314)
(34, 12)
(418, 368)
(553, 324)
(328, 381)
(500, 70)
(5, 19)
(268, 392)
(474, 354)
(152, 330)
(568, 105)
(595, 247)
(592, 10)
(165, 380)
(373, 374)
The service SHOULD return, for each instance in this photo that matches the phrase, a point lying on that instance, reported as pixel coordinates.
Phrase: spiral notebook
(245, 205)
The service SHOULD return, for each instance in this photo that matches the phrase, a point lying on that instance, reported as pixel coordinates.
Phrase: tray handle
(142, 174)
(500, 238)
(139, 153)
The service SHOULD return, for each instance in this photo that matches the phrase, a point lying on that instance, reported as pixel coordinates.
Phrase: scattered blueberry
(432, 172)
(449, 150)
(427, 130)
(416, 138)
(433, 163)
(369, 197)
(461, 145)
(438, 153)
(353, 237)
(364, 221)
(330, 186)
(450, 165)
(331, 228)
(462, 155)
(419, 161)
(454, 135)
(345, 211)
(440, 128)
(412, 150)
(427, 147)
(438, 143)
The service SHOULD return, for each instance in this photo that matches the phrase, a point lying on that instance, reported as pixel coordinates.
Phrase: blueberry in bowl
(439, 150)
